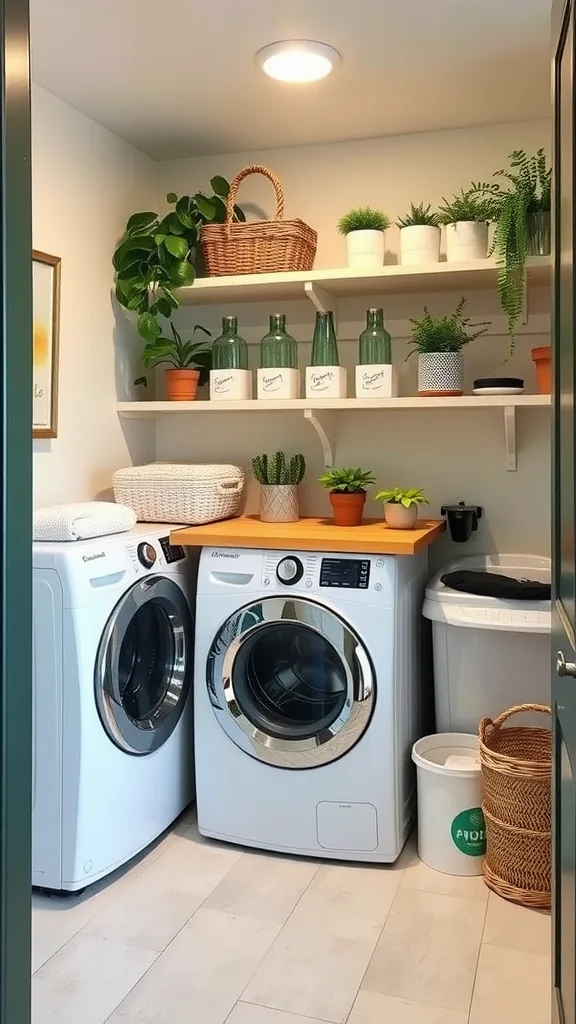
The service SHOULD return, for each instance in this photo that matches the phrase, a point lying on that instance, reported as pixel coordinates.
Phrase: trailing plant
(156, 255)
(363, 218)
(473, 204)
(347, 481)
(397, 496)
(276, 469)
(444, 333)
(419, 216)
(180, 355)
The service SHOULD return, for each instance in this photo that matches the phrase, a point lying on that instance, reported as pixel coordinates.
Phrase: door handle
(563, 667)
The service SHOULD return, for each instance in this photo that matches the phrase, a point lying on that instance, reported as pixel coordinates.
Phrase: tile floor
(195, 932)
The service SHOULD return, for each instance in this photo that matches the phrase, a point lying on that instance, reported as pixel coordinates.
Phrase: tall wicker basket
(517, 770)
(259, 246)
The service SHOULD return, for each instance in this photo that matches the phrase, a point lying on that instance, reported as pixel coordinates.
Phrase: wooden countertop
(372, 538)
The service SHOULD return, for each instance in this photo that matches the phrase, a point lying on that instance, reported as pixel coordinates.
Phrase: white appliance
(307, 703)
(113, 723)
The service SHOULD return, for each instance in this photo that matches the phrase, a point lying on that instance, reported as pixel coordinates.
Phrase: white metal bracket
(324, 425)
(510, 436)
(322, 300)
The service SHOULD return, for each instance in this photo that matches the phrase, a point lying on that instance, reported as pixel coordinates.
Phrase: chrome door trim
(145, 735)
(346, 729)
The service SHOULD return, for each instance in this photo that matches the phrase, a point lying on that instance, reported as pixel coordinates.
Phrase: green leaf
(164, 307)
(148, 327)
(206, 208)
(220, 186)
(141, 380)
(141, 220)
(176, 246)
(138, 303)
(174, 225)
(182, 273)
(159, 238)
(239, 214)
(171, 197)
(198, 327)
(219, 209)
(140, 244)
(170, 296)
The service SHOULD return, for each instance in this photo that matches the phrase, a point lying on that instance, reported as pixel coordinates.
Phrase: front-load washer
(307, 700)
(113, 702)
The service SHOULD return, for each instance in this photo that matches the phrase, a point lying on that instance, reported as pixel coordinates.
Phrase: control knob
(289, 570)
(146, 555)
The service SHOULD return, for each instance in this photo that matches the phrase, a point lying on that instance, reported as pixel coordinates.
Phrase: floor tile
(516, 927)
(375, 1008)
(86, 980)
(263, 886)
(419, 876)
(199, 978)
(428, 950)
(317, 962)
(512, 987)
(249, 1013)
(192, 865)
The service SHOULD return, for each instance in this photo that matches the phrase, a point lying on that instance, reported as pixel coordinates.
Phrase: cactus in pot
(279, 478)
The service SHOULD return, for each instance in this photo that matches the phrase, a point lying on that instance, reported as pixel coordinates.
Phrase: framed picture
(45, 327)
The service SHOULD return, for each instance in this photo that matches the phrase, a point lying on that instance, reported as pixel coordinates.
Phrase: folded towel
(83, 520)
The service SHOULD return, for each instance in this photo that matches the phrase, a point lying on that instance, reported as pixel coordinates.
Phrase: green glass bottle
(324, 344)
(278, 348)
(375, 342)
(230, 351)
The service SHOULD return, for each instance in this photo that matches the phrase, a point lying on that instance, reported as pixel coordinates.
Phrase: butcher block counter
(373, 537)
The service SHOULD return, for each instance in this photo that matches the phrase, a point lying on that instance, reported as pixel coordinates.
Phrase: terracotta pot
(181, 385)
(398, 517)
(347, 508)
(542, 359)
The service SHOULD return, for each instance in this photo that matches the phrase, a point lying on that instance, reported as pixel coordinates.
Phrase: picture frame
(45, 343)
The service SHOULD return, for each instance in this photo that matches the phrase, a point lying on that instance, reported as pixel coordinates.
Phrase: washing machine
(307, 700)
(113, 702)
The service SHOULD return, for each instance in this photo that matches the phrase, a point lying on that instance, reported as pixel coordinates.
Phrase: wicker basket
(260, 246)
(516, 769)
(183, 494)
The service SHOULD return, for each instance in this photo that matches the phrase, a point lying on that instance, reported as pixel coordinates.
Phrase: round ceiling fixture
(297, 60)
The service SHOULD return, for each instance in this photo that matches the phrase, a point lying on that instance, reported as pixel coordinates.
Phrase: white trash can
(451, 834)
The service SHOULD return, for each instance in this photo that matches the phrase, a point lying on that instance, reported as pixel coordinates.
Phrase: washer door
(290, 682)
(144, 665)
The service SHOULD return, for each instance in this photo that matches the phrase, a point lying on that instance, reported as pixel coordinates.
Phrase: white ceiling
(178, 78)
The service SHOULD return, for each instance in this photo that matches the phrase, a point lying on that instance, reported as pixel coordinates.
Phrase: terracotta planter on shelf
(181, 385)
(347, 508)
(398, 517)
(542, 359)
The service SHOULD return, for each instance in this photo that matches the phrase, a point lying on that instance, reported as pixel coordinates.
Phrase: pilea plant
(419, 216)
(346, 481)
(397, 496)
(363, 218)
(444, 333)
(276, 469)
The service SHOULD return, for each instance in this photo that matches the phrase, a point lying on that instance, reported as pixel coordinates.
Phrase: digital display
(172, 552)
(351, 573)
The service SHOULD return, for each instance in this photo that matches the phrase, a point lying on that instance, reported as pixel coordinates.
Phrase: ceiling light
(297, 60)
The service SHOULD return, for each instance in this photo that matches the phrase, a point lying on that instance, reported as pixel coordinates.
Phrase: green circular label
(469, 833)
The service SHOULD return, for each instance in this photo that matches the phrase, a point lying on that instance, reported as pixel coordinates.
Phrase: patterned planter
(279, 503)
(440, 373)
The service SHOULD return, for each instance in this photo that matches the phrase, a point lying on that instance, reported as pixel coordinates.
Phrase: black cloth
(492, 584)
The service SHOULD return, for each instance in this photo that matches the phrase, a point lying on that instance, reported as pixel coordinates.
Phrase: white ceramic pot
(376, 380)
(466, 240)
(440, 373)
(230, 385)
(326, 382)
(278, 383)
(365, 249)
(419, 243)
(279, 503)
(398, 517)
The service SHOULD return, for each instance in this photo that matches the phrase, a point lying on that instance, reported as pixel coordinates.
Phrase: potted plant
(325, 378)
(189, 363)
(542, 359)
(364, 229)
(466, 218)
(401, 507)
(439, 342)
(279, 480)
(347, 493)
(419, 235)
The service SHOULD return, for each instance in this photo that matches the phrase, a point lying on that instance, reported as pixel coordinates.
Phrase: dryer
(113, 702)
(307, 700)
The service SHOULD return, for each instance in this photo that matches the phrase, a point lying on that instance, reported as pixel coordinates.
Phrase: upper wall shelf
(323, 286)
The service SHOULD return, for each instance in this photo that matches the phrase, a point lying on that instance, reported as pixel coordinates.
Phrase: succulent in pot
(364, 229)
(347, 493)
(466, 218)
(439, 341)
(189, 363)
(419, 235)
(401, 507)
(279, 478)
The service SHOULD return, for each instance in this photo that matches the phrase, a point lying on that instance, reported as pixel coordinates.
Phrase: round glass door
(144, 665)
(290, 682)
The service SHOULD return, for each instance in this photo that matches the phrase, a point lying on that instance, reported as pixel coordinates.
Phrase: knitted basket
(176, 493)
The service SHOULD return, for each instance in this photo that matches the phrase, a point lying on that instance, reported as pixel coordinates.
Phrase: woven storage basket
(260, 246)
(176, 493)
(517, 769)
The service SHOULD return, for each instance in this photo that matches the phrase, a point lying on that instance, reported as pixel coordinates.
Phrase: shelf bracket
(324, 425)
(322, 300)
(510, 437)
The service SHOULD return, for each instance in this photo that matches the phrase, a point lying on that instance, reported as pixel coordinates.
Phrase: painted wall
(86, 182)
(452, 454)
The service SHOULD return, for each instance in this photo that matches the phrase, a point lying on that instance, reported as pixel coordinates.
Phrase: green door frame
(15, 513)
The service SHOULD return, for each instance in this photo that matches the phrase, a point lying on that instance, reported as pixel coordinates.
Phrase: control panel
(172, 552)
(349, 573)
(146, 554)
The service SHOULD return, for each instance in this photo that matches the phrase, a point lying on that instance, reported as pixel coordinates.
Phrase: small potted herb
(189, 363)
(347, 493)
(419, 235)
(365, 240)
(401, 507)
(439, 342)
(279, 479)
(466, 217)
